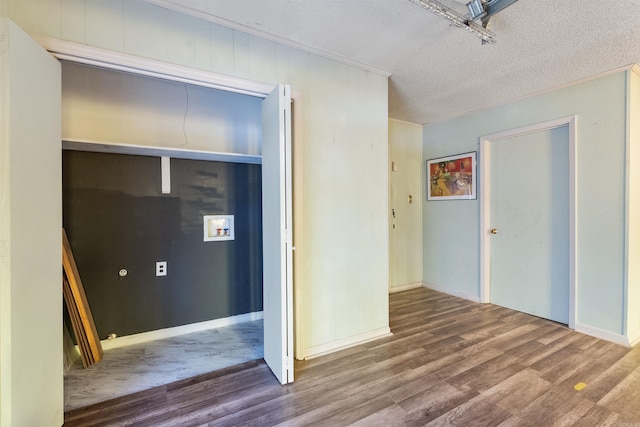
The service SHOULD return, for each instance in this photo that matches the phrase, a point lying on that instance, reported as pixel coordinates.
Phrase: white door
(30, 221)
(530, 203)
(277, 224)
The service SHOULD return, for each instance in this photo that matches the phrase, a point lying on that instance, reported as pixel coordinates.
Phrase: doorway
(528, 219)
(276, 315)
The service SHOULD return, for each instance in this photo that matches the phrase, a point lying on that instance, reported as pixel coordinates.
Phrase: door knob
(494, 231)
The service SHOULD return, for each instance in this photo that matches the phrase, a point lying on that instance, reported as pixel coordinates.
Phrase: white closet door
(31, 393)
(277, 231)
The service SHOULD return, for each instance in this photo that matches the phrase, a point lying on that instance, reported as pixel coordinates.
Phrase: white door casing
(486, 198)
(92, 55)
(277, 223)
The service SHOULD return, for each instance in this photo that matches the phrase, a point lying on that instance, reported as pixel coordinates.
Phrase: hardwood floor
(449, 362)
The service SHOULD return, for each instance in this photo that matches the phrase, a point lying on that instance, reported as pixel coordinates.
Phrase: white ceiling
(439, 71)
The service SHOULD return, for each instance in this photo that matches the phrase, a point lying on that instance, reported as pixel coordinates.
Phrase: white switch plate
(161, 268)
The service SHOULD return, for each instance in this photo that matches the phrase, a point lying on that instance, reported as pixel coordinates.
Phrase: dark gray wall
(116, 217)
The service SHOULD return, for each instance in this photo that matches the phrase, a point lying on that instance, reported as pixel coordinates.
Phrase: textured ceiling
(439, 71)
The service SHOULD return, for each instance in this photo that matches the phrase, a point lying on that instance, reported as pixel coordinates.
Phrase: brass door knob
(494, 231)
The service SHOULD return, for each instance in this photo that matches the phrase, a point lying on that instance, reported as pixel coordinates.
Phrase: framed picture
(452, 177)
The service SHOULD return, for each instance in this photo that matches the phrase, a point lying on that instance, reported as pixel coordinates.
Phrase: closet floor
(138, 367)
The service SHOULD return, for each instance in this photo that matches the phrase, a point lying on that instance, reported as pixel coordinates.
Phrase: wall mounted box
(218, 228)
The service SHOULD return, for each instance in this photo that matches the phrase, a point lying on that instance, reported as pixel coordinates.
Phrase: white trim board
(119, 61)
(404, 287)
(602, 334)
(147, 150)
(323, 349)
(179, 330)
(634, 337)
(448, 291)
(485, 204)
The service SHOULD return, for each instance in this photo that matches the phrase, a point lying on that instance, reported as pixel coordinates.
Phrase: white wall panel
(405, 252)
(262, 66)
(72, 22)
(201, 45)
(181, 37)
(103, 23)
(633, 208)
(222, 48)
(142, 34)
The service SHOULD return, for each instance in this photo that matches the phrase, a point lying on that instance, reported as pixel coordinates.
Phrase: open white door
(31, 390)
(277, 224)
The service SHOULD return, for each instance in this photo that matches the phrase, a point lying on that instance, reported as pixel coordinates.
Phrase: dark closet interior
(117, 218)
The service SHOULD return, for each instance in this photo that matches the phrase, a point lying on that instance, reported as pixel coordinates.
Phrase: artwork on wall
(452, 177)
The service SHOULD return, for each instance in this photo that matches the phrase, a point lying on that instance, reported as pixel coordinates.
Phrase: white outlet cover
(161, 268)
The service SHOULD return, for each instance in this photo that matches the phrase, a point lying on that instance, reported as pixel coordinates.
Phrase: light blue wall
(341, 138)
(451, 228)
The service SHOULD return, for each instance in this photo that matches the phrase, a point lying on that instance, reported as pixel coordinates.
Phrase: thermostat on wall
(218, 228)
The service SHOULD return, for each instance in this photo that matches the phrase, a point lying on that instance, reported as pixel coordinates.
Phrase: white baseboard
(470, 297)
(404, 287)
(634, 337)
(179, 330)
(603, 334)
(323, 349)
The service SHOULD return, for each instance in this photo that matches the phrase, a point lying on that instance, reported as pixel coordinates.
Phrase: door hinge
(287, 235)
(288, 362)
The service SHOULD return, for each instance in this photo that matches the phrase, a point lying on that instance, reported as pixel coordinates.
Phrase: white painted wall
(31, 392)
(633, 207)
(344, 140)
(451, 235)
(405, 240)
(109, 106)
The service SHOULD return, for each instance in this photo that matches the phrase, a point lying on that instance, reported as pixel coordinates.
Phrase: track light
(457, 19)
(477, 9)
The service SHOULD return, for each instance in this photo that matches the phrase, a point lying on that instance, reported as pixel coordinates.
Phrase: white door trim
(485, 204)
(112, 60)
(118, 61)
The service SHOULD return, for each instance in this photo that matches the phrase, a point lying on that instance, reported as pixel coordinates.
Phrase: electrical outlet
(161, 268)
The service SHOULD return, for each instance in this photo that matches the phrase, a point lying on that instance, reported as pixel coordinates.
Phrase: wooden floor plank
(449, 362)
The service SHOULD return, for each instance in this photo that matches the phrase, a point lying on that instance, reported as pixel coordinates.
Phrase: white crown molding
(404, 122)
(167, 4)
(629, 67)
(90, 55)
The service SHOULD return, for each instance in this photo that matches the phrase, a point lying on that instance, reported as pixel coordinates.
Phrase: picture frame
(452, 177)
